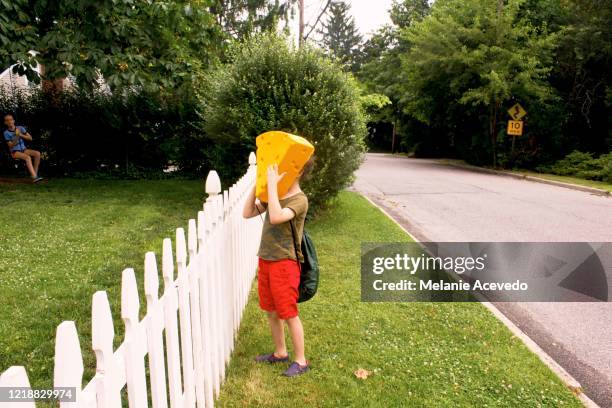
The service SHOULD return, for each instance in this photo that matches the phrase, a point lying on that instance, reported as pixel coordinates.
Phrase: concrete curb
(565, 377)
(586, 189)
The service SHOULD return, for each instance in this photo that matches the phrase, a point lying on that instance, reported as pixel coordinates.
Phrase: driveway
(436, 202)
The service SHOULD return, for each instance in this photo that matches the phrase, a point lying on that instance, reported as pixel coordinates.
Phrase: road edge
(527, 177)
(566, 378)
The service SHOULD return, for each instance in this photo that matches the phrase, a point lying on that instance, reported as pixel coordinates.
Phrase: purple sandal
(271, 358)
(296, 369)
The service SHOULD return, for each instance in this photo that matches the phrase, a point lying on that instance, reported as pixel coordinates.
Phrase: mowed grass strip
(419, 354)
(62, 241)
(568, 179)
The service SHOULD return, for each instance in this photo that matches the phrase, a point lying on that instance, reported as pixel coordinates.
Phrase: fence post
(213, 188)
(213, 185)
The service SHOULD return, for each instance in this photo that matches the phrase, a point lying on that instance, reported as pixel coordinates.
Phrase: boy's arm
(277, 214)
(251, 207)
(25, 135)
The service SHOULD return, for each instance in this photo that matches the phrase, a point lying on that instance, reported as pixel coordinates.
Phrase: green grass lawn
(565, 179)
(419, 354)
(62, 241)
(568, 179)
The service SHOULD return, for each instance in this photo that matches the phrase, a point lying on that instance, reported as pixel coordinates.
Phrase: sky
(369, 14)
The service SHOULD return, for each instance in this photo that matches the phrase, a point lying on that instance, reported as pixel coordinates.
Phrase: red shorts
(277, 285)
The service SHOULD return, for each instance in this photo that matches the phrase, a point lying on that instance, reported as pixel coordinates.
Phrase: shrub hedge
(270, 85)
(110, 135)
(583, 165)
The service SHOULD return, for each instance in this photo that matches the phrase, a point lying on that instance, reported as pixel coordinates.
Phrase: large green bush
(102, 134)
(583, 165)
(270, 85)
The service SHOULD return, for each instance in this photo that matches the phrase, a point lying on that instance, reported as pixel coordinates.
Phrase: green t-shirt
(276, 240)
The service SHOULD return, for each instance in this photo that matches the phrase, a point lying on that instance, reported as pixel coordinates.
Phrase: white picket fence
(187, 334)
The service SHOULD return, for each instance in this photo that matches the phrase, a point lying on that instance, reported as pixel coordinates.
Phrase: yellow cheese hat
(289, 151)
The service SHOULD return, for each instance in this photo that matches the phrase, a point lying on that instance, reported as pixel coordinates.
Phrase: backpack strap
(297, 258)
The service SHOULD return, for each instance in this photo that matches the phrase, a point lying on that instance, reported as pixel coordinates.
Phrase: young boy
(14, 137)
(278, 278)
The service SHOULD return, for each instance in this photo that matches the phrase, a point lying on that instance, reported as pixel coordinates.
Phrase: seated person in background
(15, 136)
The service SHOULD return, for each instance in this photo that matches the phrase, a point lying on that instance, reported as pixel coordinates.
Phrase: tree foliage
(452, 73)
(130, 43)
(382, 72)
(242, 18)
(476, 52)
(582, 74)
(340, 36)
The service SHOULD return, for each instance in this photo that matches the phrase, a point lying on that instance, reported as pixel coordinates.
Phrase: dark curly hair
(307, 169)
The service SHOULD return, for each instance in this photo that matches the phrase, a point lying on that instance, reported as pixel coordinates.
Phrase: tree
(405, 13)
(340, 36)
(381, 68)
(582, 73)
(242, 18)
(475, 53)
(138, 43)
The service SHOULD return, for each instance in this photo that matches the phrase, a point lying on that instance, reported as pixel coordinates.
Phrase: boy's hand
(273, 177)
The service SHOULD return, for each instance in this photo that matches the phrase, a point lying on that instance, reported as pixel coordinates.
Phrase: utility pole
(301, 33)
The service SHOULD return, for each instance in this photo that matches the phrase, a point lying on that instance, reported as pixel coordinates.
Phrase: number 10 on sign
(515, 127)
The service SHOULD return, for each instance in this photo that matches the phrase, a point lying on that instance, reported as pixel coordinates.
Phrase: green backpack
(309, 268)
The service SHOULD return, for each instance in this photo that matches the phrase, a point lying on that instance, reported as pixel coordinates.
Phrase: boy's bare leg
(297, 337)
(28, 162)
(34, 154)
(278, 334)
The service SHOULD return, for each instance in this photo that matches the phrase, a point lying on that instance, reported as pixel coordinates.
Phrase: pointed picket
(107, 370)
(155, 327)
(185, 319)
(68, 369)
(135, 345)
(204, 311)
(16, 376)
(170, 319)
(196, 331)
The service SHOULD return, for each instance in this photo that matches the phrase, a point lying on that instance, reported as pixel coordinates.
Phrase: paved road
(442, 203)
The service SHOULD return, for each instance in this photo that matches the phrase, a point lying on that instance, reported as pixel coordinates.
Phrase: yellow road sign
(515, 127)
(517, 112)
